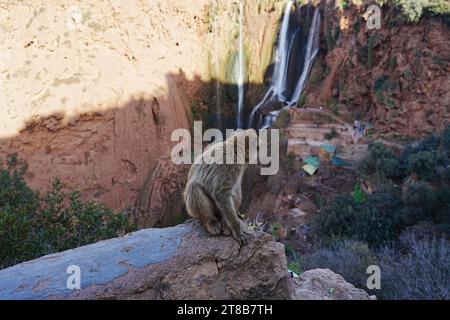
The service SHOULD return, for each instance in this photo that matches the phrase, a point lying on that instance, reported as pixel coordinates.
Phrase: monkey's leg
(207, 216)
(225, 204)
(200, 205)
(226, 229)
(237, 198)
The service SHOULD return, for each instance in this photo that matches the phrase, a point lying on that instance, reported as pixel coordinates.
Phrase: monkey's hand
(241, 239)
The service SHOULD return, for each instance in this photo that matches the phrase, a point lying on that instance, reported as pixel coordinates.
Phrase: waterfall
(278, 90)
(312, 48)
(278, 84)
(241, 70)
(280, 68)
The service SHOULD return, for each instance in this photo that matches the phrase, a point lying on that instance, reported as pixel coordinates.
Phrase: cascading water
(284, 66)
(312, 49)
(280, 65)
(241, 70)
(281, 55)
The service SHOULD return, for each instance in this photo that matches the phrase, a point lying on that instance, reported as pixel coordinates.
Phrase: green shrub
(294, 266)
(346, 218)
(419, 203)
(426, 164)
(301, 101)
(358, 195)
(414, 9)
(383, 162)
(31, 227)
(63, 226)
(17, 206)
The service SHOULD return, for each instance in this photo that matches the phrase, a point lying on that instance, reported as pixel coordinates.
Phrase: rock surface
(181, 262)
(91, 91)
(396, 77)
(324, 284)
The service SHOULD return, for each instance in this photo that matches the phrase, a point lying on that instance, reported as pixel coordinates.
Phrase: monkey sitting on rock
(213, 191)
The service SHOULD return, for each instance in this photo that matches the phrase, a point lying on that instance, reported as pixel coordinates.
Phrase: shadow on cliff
(120, 154)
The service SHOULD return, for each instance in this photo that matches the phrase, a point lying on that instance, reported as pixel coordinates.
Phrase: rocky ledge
(181, 262)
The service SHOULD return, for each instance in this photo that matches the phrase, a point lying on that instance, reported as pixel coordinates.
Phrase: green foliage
(301, 101)
(414, 9)
(408, 74)
(17, 205)
(295, 267)
(345, 218)
(283, 119)
(78, 223)
(358, 195)
(382, 161)
(275, 231)
(383, 215)
(419, 202)
(289, 250)
(345, 5)
(31, 227)
(426, 164)
(426, 157)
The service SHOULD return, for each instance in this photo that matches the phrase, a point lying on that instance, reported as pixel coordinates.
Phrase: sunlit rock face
(92, 91)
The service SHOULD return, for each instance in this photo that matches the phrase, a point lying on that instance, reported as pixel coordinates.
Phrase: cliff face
(395, 77)
(92, 91)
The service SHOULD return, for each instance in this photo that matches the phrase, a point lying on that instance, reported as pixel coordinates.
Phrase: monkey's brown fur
(213, 191)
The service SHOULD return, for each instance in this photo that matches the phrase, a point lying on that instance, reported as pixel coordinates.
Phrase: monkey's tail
(198, 203)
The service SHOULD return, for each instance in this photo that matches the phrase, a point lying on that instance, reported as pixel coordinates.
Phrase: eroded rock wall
(395, 77)
(91, 91)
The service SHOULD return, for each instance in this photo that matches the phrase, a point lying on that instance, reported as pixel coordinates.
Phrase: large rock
(324, 284)
(181, 262)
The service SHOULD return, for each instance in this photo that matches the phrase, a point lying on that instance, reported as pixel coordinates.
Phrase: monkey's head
(245, 145)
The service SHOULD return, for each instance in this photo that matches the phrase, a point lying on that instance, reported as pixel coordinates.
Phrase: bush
(346, 218)
(31, 227)
(429, 143)
(383, 162)
(421, 273)
(414, 9)
(348, 258)
(426, 164)
(419, 203)
(17, 206)
(78, 223)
